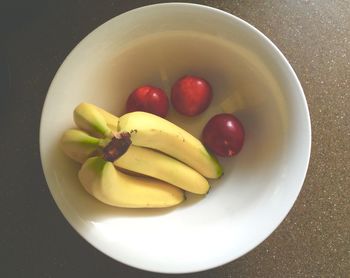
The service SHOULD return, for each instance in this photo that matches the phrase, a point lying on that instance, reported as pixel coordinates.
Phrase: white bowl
(156, 45)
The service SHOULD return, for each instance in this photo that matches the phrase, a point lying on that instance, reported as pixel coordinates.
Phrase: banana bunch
(166, 159)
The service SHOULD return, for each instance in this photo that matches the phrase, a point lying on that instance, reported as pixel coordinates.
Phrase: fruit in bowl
(142, 143)
(148, 99)
(191, 95)
(252, 80)
(224, 135)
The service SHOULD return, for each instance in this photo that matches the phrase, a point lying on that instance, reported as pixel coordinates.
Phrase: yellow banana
(89, 118)
(80, 146)
(151, 131)
(103, 181)
(155, 164)
(146, 130)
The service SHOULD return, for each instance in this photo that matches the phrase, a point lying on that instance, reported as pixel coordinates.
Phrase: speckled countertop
(313, 241)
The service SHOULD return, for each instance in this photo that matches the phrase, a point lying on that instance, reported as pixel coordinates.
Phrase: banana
(86, 117)
(151, 131)
(184, 166)
(103, 181)
(157, 165)
(80, 146)
(91, 120)
(111, 120)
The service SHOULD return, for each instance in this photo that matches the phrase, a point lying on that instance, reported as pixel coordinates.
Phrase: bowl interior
(250, 78)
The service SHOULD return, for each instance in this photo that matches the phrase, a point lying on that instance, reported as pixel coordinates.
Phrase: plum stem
(118, 145)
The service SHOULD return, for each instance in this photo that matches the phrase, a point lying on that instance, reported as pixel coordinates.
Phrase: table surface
(36, 240)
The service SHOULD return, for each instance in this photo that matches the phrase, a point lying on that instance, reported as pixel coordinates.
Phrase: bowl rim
(285, 63)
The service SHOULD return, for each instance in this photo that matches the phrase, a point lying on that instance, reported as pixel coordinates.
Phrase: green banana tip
(220, 171)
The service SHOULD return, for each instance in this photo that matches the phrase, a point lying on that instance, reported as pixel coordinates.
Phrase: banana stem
(117, 146)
